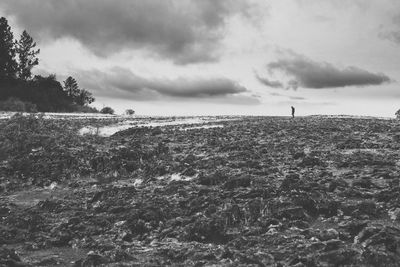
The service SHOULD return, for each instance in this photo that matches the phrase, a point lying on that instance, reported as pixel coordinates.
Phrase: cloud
(275, 94)
(269, 83)
(185, 31)
(306, 73)
(394, 33)
(123, 83)
(297, 98)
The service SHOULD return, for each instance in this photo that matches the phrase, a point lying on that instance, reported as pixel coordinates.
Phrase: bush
(15, 104)
(107, 110)
(129, 112)
(84, 109)
(397, 114)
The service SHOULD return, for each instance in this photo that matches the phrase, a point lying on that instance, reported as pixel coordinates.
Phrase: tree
(107, 110)
(84, 98)
(27, 56)
(48, 94)
(78, 96)
(129, 112)
(8, 65)
(71, 88)
(397, 114)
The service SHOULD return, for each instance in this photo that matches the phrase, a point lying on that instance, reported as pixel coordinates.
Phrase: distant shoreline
(53, 115)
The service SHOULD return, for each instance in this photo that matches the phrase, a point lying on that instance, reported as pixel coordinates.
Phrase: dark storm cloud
(307, 73)
(185, 31)
(122, 83)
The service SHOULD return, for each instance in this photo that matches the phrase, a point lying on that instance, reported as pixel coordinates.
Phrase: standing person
(293, 110)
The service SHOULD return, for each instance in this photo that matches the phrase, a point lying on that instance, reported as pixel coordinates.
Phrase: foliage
(71, 87)
(107, 110)
(27, 56)
(16, 78)
(129, 112)
(397, 114)
(15, 104)
(84, 98)
(85, 109)
(78, 96)
(48, 94)
(8, 65)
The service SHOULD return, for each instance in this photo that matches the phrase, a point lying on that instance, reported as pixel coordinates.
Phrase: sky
(230, 57)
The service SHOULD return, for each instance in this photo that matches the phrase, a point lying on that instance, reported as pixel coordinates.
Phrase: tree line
(20, 90)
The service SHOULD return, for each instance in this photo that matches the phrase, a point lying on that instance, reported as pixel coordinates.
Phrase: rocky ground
(259, 191)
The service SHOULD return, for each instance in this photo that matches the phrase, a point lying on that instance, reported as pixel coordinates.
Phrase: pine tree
(8, 65)
(71, 87)
(27, 56)
(78, 96)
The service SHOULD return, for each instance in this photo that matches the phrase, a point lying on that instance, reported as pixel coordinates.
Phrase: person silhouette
(293, 110)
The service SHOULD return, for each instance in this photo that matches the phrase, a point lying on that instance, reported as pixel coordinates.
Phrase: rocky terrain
(255, 191)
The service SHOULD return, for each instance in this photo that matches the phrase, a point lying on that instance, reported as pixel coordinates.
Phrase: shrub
(15, 104)
(84, 109)
(107, 110)
(129, 112)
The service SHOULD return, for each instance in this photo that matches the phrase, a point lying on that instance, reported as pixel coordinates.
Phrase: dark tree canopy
(107, 110)
(27, 56)
(47, 93)
(8, 65)
(78, 96)
(85, 97)
(20, 92)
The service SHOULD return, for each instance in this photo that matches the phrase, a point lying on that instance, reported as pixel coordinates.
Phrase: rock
(91, 260)
(333, 244)
(353, 227)
(299, 155)
(364, 182)
(4, 211)
(310, 161)
(8, 257)
(337, 184)
(211, 180)
(389, 236)
(121, 256)
(383, 247)
(207, 230)
(394, 214)
(236, 182)
(328, 234)
(367, 207)
(340, 257)
(61, 240)
(50, 205)
(366, 233)
(329, 208)
(52, 261)
(291, 181)
(294, 213)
